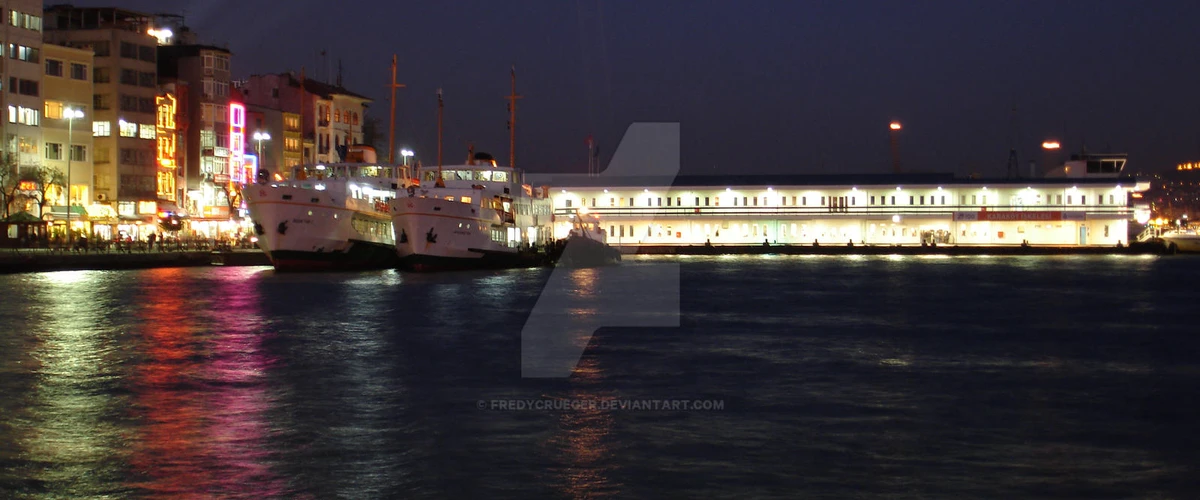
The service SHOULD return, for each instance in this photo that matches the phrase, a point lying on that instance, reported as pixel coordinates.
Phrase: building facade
(124, 102)
(209, 158)
(67, 120)
(21, 76)
(843, 210)
(323, 120)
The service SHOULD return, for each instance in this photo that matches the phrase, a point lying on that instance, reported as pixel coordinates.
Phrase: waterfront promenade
(41, 259)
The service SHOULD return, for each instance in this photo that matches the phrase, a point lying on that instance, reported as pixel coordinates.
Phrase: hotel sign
(1031, 215)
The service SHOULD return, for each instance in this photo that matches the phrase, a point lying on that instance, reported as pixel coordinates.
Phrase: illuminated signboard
(237, 141)
(166, 130)
(250, 167)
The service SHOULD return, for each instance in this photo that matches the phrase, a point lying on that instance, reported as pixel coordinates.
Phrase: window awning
(59, 212)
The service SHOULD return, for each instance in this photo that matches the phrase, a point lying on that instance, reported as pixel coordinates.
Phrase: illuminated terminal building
(1087, 201)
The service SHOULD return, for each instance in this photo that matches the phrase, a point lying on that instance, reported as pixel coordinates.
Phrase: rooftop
(860, 180)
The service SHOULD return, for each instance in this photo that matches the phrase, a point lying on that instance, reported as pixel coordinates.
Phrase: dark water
(1005, 377)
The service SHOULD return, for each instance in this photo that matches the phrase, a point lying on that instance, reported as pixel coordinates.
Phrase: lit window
(146, 131)
(54, 109)
(128, 129)
(101, 129)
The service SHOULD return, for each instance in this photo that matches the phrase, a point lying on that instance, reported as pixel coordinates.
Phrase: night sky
(790, 86)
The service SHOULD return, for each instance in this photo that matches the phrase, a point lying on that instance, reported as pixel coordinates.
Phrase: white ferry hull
(433, 234)
(301, 235)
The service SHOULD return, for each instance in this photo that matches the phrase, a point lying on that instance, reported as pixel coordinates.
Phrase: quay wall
(25, 261)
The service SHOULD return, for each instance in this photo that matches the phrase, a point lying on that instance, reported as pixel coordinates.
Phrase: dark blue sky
(789, 86)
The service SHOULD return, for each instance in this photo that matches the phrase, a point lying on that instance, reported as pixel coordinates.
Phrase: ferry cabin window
(910, 200)
(678, 201)
(660, 201)
(893, 202)
(1068, 199)
(735, 203)
(1110, 199)
(482, 175)
(974, 199)
(922, 199)
(744, 204)
(612, 202)
(804, 200)
(872, 200)
(756, 201)
(631, 202)
(568, 202)
(793, 200)
(964, 200)
(593, 203)
(1059, 198)
(943, 199)
(706, 201)
(822, 200)
(668, 201)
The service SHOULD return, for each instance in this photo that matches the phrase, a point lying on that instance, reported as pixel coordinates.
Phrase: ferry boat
(1182, 240)
(331, 216)
(473, 216)
(586, 244)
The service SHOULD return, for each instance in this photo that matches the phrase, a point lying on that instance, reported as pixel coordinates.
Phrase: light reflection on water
(842, 376)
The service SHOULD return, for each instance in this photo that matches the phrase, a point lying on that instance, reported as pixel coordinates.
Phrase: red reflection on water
(200, 391)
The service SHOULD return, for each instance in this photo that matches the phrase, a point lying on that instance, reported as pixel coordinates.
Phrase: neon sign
(237, 142)
(166, 130)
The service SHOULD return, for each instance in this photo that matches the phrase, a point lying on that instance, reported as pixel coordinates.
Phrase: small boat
(587, 244)
(1185, 240)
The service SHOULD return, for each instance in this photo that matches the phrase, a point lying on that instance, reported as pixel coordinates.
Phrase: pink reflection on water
(203, 393)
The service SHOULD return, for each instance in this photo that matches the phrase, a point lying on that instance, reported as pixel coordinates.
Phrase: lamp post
(1050, 148)
(70, 115)
(258, 138)
(895, 128)
(406, 154)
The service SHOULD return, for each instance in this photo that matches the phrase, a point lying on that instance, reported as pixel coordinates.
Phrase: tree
(46, 177)
(9, 180)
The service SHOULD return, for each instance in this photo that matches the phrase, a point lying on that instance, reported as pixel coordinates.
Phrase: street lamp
(406, 153)
(258, 138)
(895, 128)
(70, 115)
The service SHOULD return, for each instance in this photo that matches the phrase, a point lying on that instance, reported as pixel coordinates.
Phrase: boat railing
(1149, 234)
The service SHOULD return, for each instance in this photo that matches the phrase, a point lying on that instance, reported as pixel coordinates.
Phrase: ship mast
(512, 121)
(303, 159)
(392, 124)
(439, 182)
